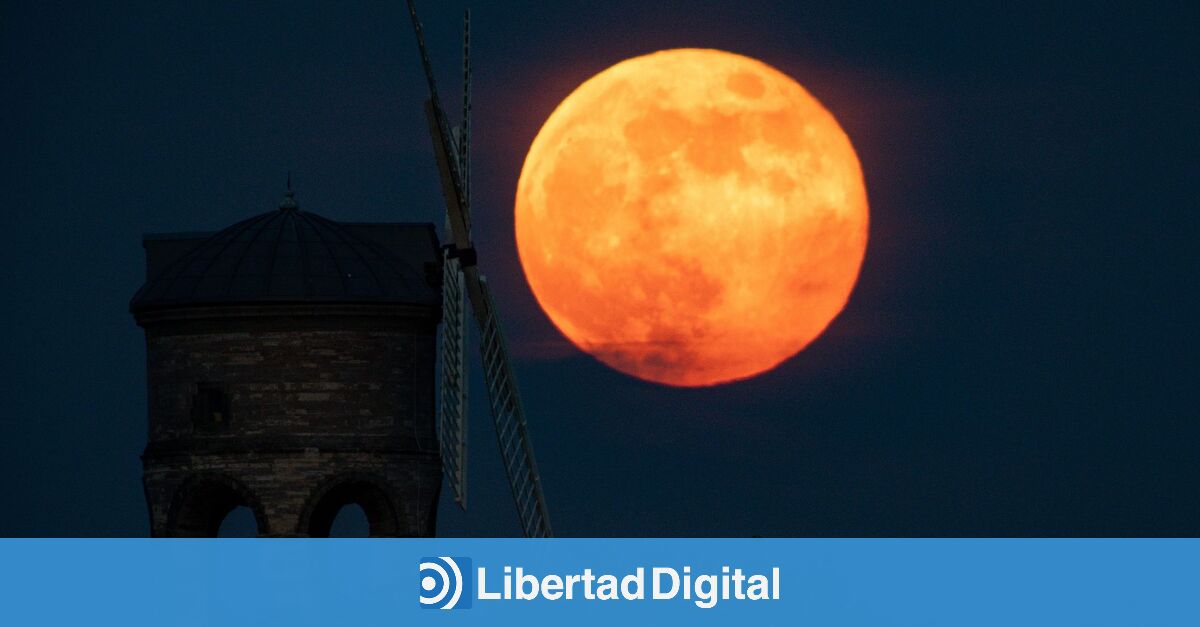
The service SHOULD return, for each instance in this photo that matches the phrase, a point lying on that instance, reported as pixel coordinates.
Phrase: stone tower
(290, 369)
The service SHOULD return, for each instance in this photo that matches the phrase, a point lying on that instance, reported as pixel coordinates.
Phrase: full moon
(691, 217)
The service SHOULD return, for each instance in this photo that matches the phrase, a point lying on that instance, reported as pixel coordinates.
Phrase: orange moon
(691, 217)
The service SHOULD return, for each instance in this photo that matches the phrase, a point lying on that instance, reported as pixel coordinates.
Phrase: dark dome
(290, 255)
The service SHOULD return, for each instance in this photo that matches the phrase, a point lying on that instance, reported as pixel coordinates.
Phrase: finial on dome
(289, 198)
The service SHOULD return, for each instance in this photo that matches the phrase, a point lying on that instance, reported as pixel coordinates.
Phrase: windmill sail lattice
(452, 414)
(463, 275)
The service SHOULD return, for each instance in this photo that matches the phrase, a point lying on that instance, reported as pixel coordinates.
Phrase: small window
(210, 408)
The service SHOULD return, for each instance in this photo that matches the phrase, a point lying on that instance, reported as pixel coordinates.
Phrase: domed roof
(291, 255)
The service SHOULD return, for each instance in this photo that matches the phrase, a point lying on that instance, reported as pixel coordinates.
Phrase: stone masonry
(327, 405)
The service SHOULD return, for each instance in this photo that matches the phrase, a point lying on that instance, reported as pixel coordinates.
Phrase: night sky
(1018, 357)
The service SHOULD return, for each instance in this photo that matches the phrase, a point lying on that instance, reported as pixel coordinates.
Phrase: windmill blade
(452, 415)
(507, 412)
(511, 430)
(452, 187)
(464, 134)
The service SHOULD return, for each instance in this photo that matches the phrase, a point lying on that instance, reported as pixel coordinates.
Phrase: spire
(289, 198)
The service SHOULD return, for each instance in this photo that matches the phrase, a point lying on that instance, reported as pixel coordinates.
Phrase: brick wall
(323, 402)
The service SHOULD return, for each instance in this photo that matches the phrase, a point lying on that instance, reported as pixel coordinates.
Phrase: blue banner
(928, 582)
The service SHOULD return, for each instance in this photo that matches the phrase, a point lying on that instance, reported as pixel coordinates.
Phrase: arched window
(238, 523)
(203, 505)
(331, 503)
(350, 522)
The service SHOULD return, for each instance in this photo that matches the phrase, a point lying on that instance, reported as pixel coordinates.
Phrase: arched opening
(350, 522)
(238, 523)
(377, 518)
(202, 508)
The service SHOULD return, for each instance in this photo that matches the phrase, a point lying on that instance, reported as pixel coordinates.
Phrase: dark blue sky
(1018, 358)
